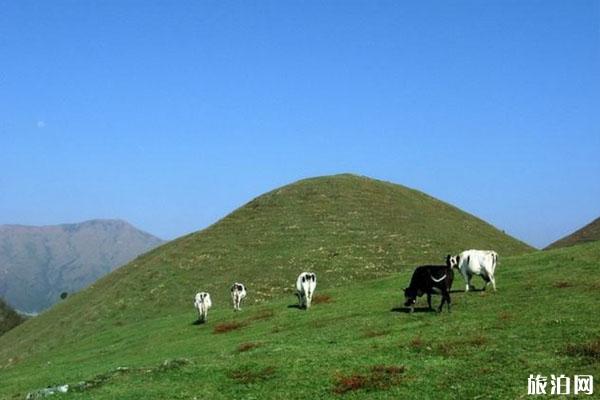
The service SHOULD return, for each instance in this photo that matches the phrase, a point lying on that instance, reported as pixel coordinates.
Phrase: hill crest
(589, 233)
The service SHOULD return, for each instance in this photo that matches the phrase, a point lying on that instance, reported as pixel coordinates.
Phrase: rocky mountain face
(38, 264)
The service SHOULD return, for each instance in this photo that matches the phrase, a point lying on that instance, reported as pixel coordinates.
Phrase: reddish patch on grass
(379, 377)
(247, 346)
(589, 350)
(321, 299)
(561, 284)
(228, 327)
(247, 374)
(349, 383)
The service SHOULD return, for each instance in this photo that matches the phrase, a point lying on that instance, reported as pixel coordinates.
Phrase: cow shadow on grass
(198, 322)
(463, 290)
(295, 306)
(406, 310)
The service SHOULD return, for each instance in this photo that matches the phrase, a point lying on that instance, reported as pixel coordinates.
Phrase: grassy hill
(38, 263)
(589, 233)
(354, 343)
(345, 228)
(8, 317)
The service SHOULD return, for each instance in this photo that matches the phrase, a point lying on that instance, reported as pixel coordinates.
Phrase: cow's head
(452, 261)
(410, 295)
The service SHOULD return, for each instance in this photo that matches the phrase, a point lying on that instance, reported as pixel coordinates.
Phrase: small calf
(238, 293)
(429, 279)
(203, 304)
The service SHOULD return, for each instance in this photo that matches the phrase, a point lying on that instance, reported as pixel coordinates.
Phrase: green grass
(351, 344)
(9, 318)
(352, 231)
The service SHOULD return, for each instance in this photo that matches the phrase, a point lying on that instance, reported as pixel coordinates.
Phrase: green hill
(353, 343)
(589, 233)
(8, 317)
(345, 228)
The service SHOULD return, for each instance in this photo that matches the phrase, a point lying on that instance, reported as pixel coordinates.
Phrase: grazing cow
(305, 288)
(203, 304)
(429, 279)
(238, 293)
(476, 262)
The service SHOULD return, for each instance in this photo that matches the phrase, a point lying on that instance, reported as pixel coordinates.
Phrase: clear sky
(171, 114)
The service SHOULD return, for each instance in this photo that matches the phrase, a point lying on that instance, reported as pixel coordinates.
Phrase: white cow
(203, 304)
(476, 262)
(305, 288)
(238, 293)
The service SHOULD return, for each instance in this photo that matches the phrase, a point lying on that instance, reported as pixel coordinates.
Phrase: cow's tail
(495, 258)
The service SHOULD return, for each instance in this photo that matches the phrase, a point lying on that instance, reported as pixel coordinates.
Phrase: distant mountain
(39, 263)
(589, 233)
(9, 318)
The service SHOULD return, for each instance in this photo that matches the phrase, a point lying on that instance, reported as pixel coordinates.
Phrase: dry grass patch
(247, 346)
(562, 285)
(589, 350)
(225, 327)
(379, 377)
(321, 299)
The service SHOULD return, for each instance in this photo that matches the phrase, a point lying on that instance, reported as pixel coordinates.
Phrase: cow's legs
(429, 300)
(468, 280)
(493, 280)
(445, 299)
(441, 303)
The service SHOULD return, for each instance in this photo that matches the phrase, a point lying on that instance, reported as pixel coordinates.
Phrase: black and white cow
(238, 293)
(203, 304)
(305, 288)
(429, 279)
(476, 262)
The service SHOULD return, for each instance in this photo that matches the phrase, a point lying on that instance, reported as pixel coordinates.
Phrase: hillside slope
(540, 320)
(8, 317)
(589, 233)
(345, 228)
(38, 263)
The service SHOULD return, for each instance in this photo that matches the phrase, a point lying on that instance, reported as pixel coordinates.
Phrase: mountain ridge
(38, 263)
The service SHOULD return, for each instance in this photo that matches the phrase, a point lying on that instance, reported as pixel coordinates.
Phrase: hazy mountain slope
(8, 317)
(589, 233)
(37, 264)
(345, 228)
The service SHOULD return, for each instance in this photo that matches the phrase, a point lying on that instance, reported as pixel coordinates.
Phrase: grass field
(353, 343)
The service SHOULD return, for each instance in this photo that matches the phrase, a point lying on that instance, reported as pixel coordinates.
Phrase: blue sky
(172, 114)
